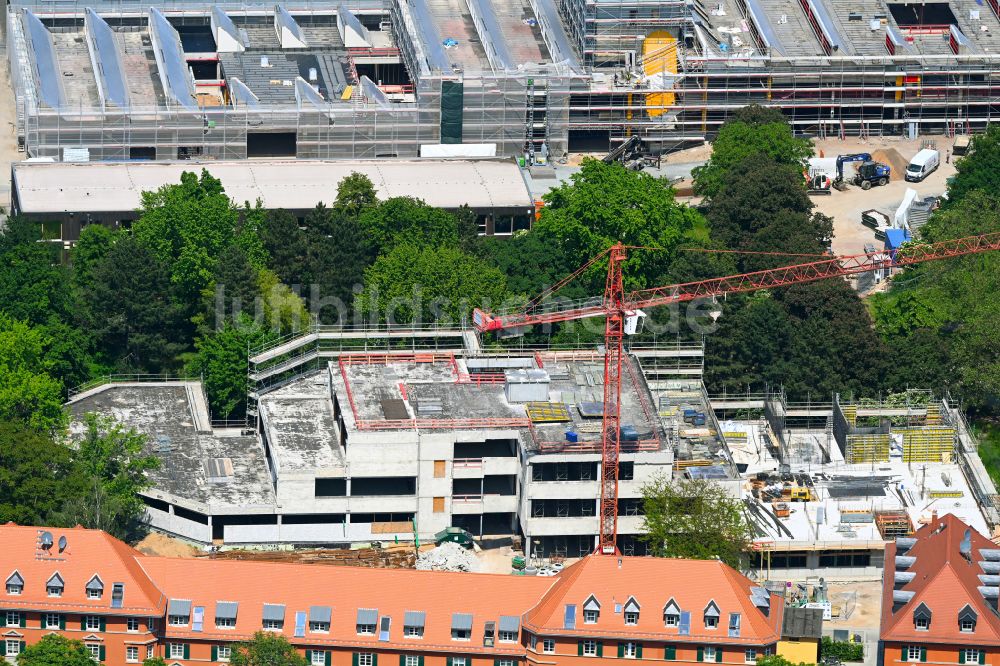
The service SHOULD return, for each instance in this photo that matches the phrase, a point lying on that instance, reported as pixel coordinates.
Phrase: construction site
(536, 79)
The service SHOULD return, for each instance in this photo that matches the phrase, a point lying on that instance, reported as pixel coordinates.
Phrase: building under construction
(530, 78)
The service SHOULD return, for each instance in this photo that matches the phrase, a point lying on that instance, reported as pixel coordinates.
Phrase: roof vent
(990, 554)
(991, 595)
(900, 598)
(990, 567)
(904, 562)
(987, 579)
(965, 548)
(901, 578)
(904, 544)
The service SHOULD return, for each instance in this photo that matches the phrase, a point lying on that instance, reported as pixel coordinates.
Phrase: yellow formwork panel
(867, 448)
(850, 413)
(659, 56)
(928, 444)
(547, 412)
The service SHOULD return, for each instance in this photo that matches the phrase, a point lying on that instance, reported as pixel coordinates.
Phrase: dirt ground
(868, 606)
(164, 546)
(849, 235)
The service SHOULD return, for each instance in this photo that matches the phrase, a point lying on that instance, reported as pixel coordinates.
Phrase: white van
(922, 164)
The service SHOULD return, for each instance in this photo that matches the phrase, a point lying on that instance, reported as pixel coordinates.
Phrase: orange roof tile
(945, 581)
(653, 582)
(346, 589)
(88, 552)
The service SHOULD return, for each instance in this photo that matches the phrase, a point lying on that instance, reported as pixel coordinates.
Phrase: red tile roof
(653, 582)
(346, 589)
(945, 582)
(88, 552)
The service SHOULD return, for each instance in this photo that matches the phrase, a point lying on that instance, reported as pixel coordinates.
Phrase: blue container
(699, 420)
(690, 412)
(629, 434)
(572, 436)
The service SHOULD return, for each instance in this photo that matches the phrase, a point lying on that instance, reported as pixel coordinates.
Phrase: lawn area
(988, 434)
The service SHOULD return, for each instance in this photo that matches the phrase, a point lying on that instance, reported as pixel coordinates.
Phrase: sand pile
(897, 163)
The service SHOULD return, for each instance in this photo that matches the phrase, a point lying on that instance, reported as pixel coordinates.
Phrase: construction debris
(374, 558)
(448, 556)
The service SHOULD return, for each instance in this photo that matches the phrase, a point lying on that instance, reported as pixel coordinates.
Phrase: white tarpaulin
(901, 221)
(458, 150)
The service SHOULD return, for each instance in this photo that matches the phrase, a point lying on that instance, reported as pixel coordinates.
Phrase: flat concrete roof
(96, 188)
(166, 413)
(300, 425)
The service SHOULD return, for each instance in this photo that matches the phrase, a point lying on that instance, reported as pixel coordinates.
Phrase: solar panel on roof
(590, 410)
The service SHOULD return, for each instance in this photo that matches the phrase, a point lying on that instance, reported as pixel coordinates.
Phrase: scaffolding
(921, 433)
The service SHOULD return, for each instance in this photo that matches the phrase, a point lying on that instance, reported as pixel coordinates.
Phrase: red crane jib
(616, 305)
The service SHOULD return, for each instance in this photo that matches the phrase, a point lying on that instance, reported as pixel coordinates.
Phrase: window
(461, 634)
(95, 651)
(507, 636)
(14, 588)
(750, 656)
(709, 653)
(323, 627)
(506, 662)
(970, 656)
(132, 653)
(177, 620)
(366, 630)
(13, 619)
(93, 593)
(175, 650)
(671, 619)
(225, 622)
(132, 624)
(224, 652)
(273, 625)
(53, 590)
(913, 653)
(631, 619)
(549, 646)
(412, 660)
(366, 659)
(459, 661)
(51, 621)
(967, 626)
(92, 623)
(711, 622)
(13, 648)
(590, 616)
(318, 658)
(150, 649)
(629, 650)
(151, 624)
(413, 632)
(589, 648)
(922, 624)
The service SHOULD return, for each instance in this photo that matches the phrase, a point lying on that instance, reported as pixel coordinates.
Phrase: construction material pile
(897, 163)
(448, 556)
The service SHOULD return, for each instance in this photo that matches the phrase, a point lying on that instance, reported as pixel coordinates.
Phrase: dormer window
(461, 626)
(631, 612)
(319, 619)
(413, 624)
(15, 584)
(922, 618)
(671, 614)
(178, 612)
(711, 615)
(273, 617)
(967, 619)
(591, 610)
(54, 586)
(95, 588)
(367, 621)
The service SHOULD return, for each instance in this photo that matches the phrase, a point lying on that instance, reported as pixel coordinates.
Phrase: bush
(843, 650)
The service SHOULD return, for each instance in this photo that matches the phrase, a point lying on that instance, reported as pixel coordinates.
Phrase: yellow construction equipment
(796, 493)
(659, 60)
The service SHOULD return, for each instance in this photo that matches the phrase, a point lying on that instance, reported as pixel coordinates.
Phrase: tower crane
(620, 308)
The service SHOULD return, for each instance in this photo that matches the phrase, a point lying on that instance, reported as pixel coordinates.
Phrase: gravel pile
(448, 556)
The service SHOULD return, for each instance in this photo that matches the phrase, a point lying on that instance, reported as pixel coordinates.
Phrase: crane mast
(616, 306)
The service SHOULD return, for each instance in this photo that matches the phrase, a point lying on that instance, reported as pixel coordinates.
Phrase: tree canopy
(266, 649)
(55, 650)
(695, 519)
(751, 131)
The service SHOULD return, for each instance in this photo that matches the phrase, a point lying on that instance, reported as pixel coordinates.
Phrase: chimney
(934, 516)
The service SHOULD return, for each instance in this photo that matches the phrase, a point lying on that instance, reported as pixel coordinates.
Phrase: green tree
(188, 225)
(28, 394)
(696, 519)
(603, 204)
(285, 243)
(336, 257)
(236, 288)
(221, 361)
(407, 220)
(355, 194)
(977, 170)
(751, 131)
(55, 650)
(37, 475)
(154, 661)
(776, 660)
(423, 284)
(93, 245)
(112, 460)
(135, 321)
(284, 311)
(34, 287)
(266, 649)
